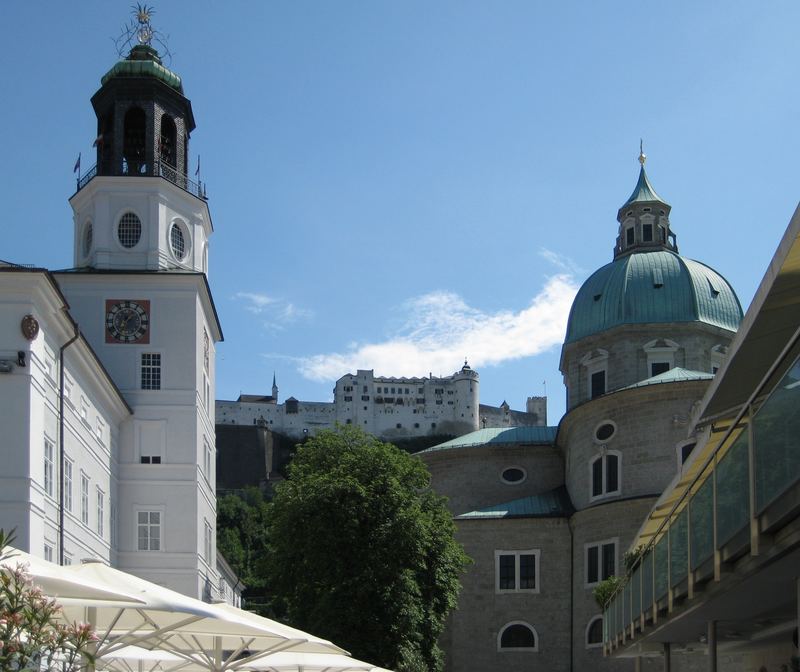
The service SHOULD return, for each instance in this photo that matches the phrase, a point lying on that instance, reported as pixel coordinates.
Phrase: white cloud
(277, 312)
(440, 329)
(564, 264)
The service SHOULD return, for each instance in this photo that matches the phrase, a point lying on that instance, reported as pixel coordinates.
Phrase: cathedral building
(108, 366)
(547, 513)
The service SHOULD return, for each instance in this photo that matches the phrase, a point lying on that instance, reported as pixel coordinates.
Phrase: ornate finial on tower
(642, 155)
(139, 31)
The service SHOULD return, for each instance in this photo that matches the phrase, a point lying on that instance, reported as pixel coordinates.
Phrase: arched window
(594, 633)
(517, 636)
(133, 146)
(167, 141)
(606, 474)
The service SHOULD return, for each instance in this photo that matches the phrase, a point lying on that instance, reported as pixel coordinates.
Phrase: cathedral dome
(657, 286)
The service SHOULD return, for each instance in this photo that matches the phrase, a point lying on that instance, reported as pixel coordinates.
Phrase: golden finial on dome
(642, 155)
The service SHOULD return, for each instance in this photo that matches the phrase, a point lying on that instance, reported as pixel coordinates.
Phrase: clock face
(127, 321)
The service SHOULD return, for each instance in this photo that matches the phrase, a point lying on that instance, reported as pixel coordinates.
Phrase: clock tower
(139, 291)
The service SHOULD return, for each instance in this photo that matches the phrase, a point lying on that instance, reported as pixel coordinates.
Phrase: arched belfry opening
(168, 141)
(134, 148)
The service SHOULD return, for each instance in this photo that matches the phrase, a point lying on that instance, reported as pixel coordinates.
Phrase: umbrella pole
(218, 653)
(91, 619)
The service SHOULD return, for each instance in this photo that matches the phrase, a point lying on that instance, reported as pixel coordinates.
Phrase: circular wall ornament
(30, 327)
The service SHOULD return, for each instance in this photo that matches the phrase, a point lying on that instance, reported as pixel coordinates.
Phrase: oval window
(129, 230)
(513, 475)
(605, 431)
(177, 241)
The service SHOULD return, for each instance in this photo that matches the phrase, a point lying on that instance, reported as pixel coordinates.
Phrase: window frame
(605, 493)
(506, 649)
(149, 510)
(49, 464)
(536, 553)
(150, 368)
(599, 546)
(84, 498)
(592, 621)
(67, 469)
(118, 237)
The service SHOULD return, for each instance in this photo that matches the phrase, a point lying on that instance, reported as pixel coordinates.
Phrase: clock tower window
(177, 241)
(129, 230)
(88, 235)
(133, 148)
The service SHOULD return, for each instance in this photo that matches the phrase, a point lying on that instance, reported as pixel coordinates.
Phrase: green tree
(361, 551)
(242, 534)
(31, 634)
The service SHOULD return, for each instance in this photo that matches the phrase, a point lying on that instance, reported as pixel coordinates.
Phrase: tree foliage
(362, 552)
(31, 634)
(242, 534)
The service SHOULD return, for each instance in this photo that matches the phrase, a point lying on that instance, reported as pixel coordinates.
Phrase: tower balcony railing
(745, 490)
(160, 169)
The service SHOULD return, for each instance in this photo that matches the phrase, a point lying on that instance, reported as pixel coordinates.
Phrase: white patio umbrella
(212, 636)
(290, 661)
(64, 587)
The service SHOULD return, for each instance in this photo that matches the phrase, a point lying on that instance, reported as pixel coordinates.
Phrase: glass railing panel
(636, 592)
(647, 581)
(618, 614)
(606, 623)
(678, 548)
(776, 432)
(733, 496)
(701, 517)
(626, 605)
(661, 568)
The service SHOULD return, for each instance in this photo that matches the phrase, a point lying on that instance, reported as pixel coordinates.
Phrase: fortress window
(420, 400)
(438, 402)
(516, 571)
(364, 397)
(433, 425)
(398, 426)
(601, 561)
(421, 390)
(416, 425)
(348, 398)
(518, 637)
(605, 474)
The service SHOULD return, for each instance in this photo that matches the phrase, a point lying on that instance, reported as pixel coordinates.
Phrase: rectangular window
(148, 530)
(517, 571)
(84, 410)
(100, 430)
(207, 458)
(67, 484)
(49, 467)
(100, 512)
(67, 560)
(150, 459)
(601, 561)
(112, 524)
(206, 392)
(208, 541)
(597, 478)
(598, 383)
(658, 367)
(151, 371)
(647, 232)
(48, 553)
(84, 499)
(629, 235)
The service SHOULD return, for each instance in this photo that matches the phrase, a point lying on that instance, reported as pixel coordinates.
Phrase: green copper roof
(652, 287)
(497, 436)
(675, 375)
(643, 192)
(555, 503)
(143, 61)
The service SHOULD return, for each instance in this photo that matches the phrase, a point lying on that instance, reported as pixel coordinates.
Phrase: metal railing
(756, 462)
(161, 169)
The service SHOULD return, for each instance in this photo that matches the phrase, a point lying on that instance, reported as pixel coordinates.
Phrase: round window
(88, 234)
(177, 241)
(513, 475)
(129, 230)
(604, 432)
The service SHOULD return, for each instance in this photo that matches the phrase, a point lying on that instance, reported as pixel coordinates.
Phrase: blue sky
(398, 185)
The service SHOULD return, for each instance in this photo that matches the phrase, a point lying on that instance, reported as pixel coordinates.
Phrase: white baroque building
(107, 368)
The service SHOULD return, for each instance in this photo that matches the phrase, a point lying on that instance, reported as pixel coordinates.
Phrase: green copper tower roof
(652, 287)
(643, 192)
(143, 61)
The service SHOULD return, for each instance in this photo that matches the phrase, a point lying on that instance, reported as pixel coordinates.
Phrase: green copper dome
(143, 61)
(652, 287)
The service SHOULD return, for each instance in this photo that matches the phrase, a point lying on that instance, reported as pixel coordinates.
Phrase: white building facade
(113, 444)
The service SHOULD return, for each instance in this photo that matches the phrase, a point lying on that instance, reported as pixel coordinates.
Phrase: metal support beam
(667, 657)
